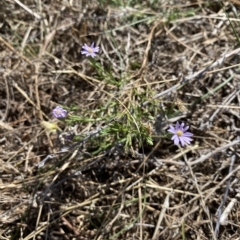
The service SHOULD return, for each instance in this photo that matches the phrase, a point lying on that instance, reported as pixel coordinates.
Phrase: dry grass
(174, 61)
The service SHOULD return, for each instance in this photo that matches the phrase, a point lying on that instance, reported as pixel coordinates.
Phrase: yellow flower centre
(90, 50)
(179, 133)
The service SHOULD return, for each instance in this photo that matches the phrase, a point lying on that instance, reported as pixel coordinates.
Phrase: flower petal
(182, 125)
(177, 125)
(187, 134)
(187, 140)
(175, 138)
(182, 141)
(173, 131)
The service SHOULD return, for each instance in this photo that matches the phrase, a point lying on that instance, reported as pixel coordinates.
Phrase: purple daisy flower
(180, 134)
(89, 51)
(59, 112)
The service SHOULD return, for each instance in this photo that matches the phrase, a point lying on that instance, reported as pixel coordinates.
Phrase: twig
(161, 215)
(226, 101)
(195, 182)
(221, 148)
(27, 98)
(27, 9)
(223, 181)
(228, 210)
(140, 206)
(196, 75)
(220, 209)
(168, 32)
(15, 51)
(8, 100)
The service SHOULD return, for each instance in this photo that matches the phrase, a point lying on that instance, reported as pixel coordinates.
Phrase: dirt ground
(110, 170)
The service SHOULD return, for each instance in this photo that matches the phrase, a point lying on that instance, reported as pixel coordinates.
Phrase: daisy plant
(180, 134)
(89, 50)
